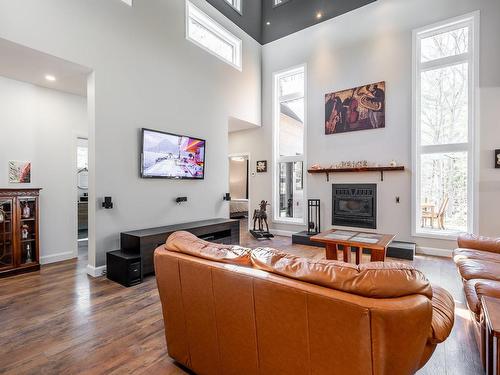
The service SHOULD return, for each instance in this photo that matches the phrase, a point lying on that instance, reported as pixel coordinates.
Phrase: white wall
(42, 125)
(369, 45)
(146, 75)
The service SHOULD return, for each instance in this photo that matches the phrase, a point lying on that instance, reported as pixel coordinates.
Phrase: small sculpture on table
(260, 217)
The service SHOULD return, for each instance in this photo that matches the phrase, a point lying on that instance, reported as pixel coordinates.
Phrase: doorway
(239, 187)
(82, 185)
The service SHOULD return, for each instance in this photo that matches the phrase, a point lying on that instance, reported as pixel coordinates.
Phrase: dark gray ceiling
(285, 19)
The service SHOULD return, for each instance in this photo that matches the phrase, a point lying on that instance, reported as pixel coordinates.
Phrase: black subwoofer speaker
(124, 267)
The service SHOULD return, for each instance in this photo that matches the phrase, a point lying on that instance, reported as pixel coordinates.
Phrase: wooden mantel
(327, 171)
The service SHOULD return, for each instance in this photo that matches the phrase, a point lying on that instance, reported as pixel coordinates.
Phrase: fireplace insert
(355, 205)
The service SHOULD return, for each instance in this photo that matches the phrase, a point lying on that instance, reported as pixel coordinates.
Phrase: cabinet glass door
(6, 237)
(28, 229)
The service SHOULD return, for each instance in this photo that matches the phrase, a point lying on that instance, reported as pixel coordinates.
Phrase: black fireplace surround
(355, 205)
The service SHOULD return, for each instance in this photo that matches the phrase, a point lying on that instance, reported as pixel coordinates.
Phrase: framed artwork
(360, 108)
(262, 166)
(497, 158)
(20, 172)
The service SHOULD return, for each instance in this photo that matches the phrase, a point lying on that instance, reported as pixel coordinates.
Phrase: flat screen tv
(166, 155)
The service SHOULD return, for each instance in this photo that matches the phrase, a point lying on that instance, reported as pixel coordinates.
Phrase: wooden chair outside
(432, 215)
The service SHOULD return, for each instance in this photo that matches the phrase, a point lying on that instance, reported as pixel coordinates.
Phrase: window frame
(471, 147)
(214, 27)
(277, 159)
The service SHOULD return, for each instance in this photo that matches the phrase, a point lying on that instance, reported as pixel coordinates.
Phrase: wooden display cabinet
(19, 233)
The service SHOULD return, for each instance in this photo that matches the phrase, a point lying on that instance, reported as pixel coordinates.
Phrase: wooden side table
(491, 311)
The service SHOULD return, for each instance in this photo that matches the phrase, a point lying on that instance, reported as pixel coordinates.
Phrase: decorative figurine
(26, 211)
(2, 216)
(393, 163)
(260, 216)
(24, 232)
(28, 254)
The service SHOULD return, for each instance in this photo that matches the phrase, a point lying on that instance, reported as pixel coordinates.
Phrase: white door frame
(247, 155)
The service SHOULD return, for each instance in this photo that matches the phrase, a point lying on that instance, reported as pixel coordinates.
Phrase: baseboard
(59, 257)
(96, 271)
(445, 253)
(284, 233)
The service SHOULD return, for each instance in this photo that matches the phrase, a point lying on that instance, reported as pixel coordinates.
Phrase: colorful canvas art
(360, 108)
(20, 172)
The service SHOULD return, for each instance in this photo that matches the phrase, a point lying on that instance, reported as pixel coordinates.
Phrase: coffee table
(376, 242)
(491, 310)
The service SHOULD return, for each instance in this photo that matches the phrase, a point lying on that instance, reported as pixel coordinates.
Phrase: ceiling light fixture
(50, 78)
(319, 15)
(268, 23)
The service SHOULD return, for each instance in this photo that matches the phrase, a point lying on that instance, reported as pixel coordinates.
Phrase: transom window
(211, 36)
(289, 141)
(277, 3)
(444, 123)
(236, 4)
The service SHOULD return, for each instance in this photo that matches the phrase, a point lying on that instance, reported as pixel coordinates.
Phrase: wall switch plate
(398, 200)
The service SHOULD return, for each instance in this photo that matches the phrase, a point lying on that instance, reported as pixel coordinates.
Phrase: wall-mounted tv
(166, 155)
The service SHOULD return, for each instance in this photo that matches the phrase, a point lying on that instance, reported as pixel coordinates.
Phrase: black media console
(145, 241)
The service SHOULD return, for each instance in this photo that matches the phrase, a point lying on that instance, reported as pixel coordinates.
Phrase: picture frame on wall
(19, 172)
(497, 158)
(262, 166)
(359, 108)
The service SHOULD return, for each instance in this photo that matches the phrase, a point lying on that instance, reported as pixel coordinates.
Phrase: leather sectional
(478, 262)
(234, 310)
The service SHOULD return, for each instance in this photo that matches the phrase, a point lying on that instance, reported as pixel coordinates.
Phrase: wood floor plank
(61, 321)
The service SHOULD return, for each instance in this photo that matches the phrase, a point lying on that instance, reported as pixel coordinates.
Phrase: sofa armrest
(443, 315)
(472, 241)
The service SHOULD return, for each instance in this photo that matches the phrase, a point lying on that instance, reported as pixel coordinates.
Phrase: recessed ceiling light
(319, 15)
(50, 78)
(268, 23)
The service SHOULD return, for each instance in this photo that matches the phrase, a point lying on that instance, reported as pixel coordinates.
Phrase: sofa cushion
(477, 288)
(187, 243)
(471, 241)
(478, 269)
(461, 254)
(443, 315)
(375, 280)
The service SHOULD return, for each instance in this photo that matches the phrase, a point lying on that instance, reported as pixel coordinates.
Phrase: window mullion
(451, 147)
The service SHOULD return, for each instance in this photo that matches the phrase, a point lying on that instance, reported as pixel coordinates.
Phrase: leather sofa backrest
(472, 241)
(188, 243)
(375, 280)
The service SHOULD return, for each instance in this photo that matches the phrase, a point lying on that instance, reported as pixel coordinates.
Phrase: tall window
(289, 141)
(209, 35)
(444, 107)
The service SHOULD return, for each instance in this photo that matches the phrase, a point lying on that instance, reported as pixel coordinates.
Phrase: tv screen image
(166, 155)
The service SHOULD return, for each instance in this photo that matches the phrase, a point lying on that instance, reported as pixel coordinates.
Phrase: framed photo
(20, 172)
(360, 108)
(497, 158)
(262, 166)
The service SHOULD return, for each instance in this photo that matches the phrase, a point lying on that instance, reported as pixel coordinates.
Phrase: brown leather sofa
(231, 310)
(478, 262)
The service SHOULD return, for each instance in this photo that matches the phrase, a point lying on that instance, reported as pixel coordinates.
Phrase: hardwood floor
(61, 321)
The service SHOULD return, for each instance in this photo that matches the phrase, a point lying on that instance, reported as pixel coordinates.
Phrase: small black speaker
(227, 197)
(108, 203)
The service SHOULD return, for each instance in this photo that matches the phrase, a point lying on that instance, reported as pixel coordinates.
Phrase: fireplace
(355, 205)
